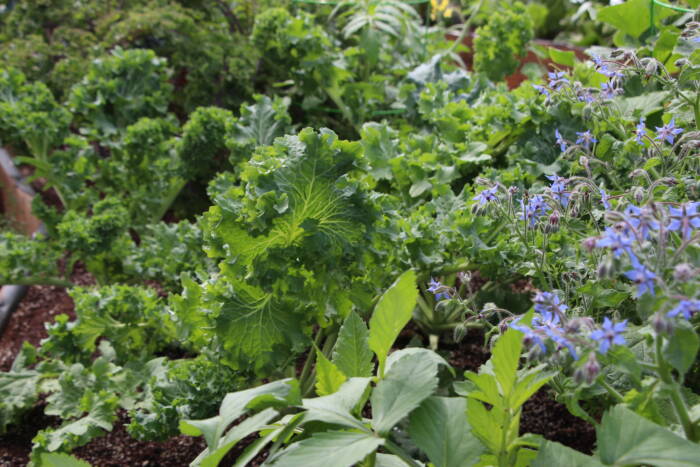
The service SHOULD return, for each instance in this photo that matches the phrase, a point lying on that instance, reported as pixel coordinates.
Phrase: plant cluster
(268, 194)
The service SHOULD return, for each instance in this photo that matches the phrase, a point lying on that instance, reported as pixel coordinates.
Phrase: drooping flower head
(558, 189)
(687, 308)
(616, 241)
(534, 209)
(557, 79)
(641, 219)
(438, 289)
(640, 132)
(560, 140)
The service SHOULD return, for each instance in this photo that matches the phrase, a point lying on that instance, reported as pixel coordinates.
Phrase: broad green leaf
(278, 393)
(632, 17)
(328, 377)
(392, 313)
(439, 428)
(389, 460)
(625, 438)
(408, 382)
(553, 454)
(483, 424)
(682, 347)
(505, 359)
(337, 407)
(529, 384)
(61, 460)
(352, 354)
(562, 57)
(487, 388)
(424, 353)
(337, 448)
(212, 457)
(663, 48)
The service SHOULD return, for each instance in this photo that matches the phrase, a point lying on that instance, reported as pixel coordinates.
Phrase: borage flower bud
(591, 369)
(683, 272)
(639, 173)
(681, 62)
(604, 269)
(589, 243)
(661, 324)
(583, 160)
(638, 194)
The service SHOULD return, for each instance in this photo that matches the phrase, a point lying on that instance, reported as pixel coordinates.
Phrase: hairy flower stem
(676, 398)
(611, 390)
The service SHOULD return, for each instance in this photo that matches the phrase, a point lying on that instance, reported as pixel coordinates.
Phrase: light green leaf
(408, 382)
(483, 424)
(352, 354)
(439, 428)
(632, 17)
(562, 57)
(391, 314)
(625, 438)
(389, 460)
(337, 407)
(681, 349)
(505, 359)
(340, 448)
(61, 460)
(328, 377)
(419, 187)
(553, 454)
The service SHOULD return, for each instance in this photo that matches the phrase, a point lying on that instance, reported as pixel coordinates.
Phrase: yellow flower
(442, 7)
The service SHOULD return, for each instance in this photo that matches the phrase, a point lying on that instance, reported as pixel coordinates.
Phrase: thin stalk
(465, 28)
(39, 281)
(676, 398)
(611, 390)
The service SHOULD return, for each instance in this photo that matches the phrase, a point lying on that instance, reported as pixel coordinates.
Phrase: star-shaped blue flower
(610, 334)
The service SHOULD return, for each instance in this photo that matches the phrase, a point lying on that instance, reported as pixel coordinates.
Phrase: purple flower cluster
(535, 208)
(558, 189)
(486, 196)
(547, 325)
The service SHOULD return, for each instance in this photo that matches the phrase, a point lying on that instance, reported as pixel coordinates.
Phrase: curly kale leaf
(501, 42)
(25, 260)
(290, 239)
(134, 319)
(120, 89)
(165, 252)
(202, 147)
(258, 125)
(29, 115)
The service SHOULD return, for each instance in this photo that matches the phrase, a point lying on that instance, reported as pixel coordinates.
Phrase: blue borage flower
(641, 276)
(533, 210)
(684, 219)
(558, 189)
(641, 220)
(668, 132)
(486, 196)
(640, 132)
(585, 138)
(610, 334)
(440, 291)
(609, 90)
(617, 241)
(687, 308)
(541, 89)
(560, 141)
(557, 79)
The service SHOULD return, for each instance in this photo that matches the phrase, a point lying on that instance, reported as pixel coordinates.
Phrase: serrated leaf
(505, 359)
(345, 448)
(625, 438)
(439, 428)
(392, 313)
(328, 377)
(484, 424)
(352, 354)
(408, 382)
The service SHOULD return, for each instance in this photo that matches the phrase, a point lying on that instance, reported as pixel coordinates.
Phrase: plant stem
(43, 281)
(403, 455)
(611, 390)
(676, 397)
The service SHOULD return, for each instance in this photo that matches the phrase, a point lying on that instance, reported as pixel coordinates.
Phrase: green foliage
(29, 115)
(290, 239)
(23, 259)
(202, 147)
(120, 89)
(502, 40)
(505, 389)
